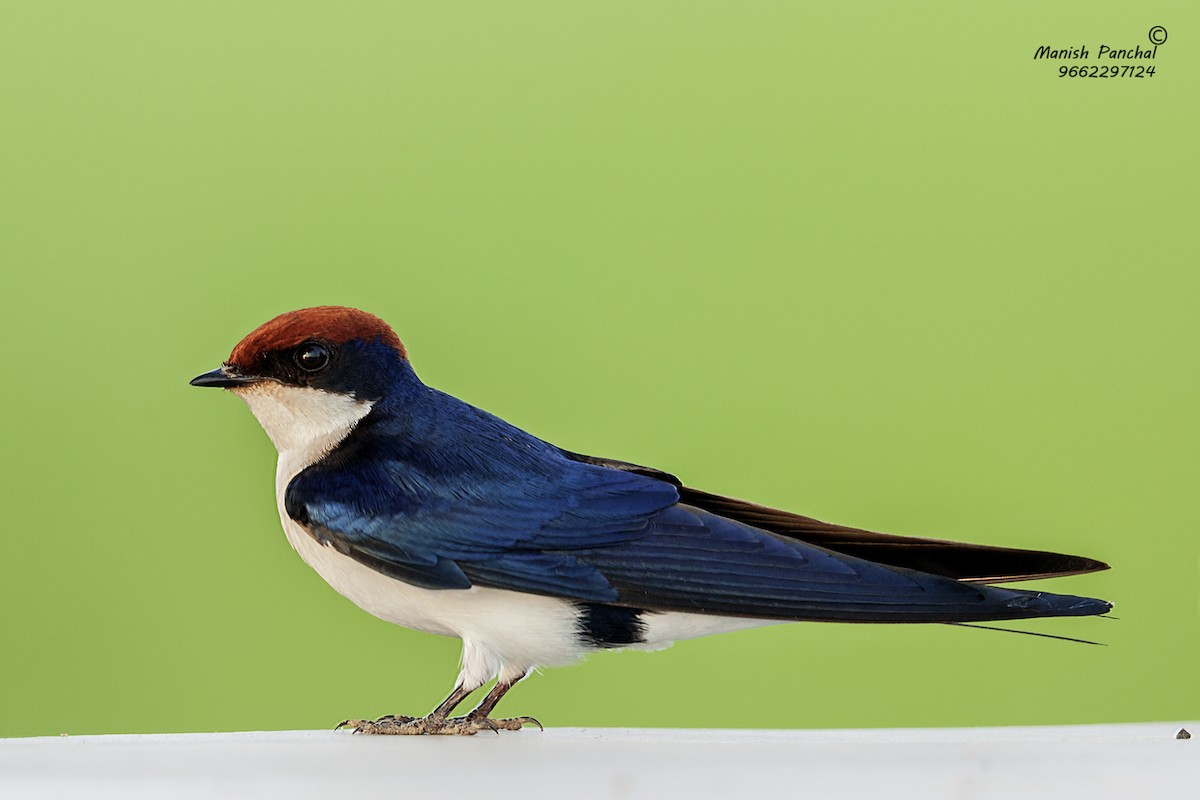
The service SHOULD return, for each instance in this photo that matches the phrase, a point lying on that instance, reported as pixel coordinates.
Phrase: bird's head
(311, 374)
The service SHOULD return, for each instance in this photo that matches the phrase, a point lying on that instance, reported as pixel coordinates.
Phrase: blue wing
(455, 502)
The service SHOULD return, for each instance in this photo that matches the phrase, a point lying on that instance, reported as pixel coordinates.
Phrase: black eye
(311, 356)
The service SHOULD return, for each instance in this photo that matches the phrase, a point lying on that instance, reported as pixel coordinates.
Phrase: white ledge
(1092, 761)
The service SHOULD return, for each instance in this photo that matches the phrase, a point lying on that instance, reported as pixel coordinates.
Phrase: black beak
(224, 378)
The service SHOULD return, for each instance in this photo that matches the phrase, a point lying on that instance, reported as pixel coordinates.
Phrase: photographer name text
(1082, 53)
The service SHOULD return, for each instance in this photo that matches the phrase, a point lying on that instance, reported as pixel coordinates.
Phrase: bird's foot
(393, 725)
(374, 726)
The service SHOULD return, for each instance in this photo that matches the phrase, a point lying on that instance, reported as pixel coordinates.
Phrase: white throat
(304, 424)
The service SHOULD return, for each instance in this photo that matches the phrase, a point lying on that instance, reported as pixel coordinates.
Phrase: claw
(513, 724)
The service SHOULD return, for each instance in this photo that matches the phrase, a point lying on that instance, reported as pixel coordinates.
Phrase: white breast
(504, 633)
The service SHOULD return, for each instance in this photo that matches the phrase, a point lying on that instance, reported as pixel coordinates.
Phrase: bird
(435, 515)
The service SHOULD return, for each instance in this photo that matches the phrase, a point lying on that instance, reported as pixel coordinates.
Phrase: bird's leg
(480, 715)
(439, 722)
(459, 694)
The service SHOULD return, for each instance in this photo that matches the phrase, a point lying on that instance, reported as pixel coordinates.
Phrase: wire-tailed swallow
(433, 514)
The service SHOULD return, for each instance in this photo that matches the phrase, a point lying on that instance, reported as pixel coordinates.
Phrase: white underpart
(505, 634)
(663, 630)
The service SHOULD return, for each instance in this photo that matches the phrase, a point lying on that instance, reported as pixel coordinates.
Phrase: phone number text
(1114, 71)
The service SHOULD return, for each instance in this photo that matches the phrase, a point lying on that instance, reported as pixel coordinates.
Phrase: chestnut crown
(332, 348)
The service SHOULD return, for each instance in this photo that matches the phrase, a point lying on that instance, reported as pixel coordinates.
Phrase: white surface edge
(1092, 761)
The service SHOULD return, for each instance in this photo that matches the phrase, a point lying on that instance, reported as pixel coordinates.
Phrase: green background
(868, 262)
